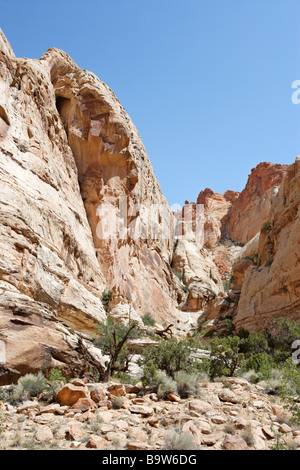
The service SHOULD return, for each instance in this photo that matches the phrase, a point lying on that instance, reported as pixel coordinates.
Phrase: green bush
(225, 356)
(148, 319)
(280, 343)
(253, 343)
(227, 327)
(170, 356)
(113, 336)
(273, 382)
(266, 225)
(56, 376)
(290, 389)
(227, 285)
(262, 363)
(29, 386)
(106, 296)
(165, 384)
(178, 274)
(253, 258)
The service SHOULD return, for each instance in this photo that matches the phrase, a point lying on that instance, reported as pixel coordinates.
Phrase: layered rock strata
(271, 288)
(69, 152)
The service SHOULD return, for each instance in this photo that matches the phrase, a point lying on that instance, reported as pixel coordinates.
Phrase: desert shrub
(149, 374)
(290, 389)
(202, 367)
(56, 376)
(170, 356)
(262, 363)
(253, 343)
(229, 429)
(4, 393)
(248, 437)
(2, 421)
(148, 320)
(178, 274)
(272, 384)
(227, 384)
(280, 342)
(158, 380)
(203, 378)
(106, 296)
(250, 375)
(165, 384)
(177, 440)
(29, 386)
(112, 339)
(253, 257)
(186, 383)
(225, 356)
(117, 403)
(227, 327)
(266, 225)
(125, 378)
(227, 285)
(278, 444)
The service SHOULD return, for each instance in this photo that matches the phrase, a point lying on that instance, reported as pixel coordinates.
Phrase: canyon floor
(229, 415)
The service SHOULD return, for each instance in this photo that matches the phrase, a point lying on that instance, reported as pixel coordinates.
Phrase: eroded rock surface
(271, 288)
(70, 157)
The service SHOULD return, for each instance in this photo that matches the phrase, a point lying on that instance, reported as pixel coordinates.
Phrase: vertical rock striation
(272, 288)
(70, 157)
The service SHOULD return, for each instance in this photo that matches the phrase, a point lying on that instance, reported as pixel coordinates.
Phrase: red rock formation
(251, 209)
(272, 288)
(216, 210)
(67, 150)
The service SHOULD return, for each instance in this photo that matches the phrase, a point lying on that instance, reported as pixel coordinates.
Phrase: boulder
(69, 394)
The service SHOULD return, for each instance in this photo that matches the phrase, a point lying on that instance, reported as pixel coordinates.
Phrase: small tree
(225, 355)
(148, 319)
(106, 296)
(290, 389)
(170, 356)
(112, 342)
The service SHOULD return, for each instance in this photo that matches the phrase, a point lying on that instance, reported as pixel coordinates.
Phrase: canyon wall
(69, 158)
(81, 213)
(271, 288)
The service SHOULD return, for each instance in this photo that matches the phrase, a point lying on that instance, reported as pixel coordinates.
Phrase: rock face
(238, 230)
(118, 185)
(216, 210)
(195, 267)
(81, 212)
(251, 209)
(70, 155)
(50, 279)
(272, 288)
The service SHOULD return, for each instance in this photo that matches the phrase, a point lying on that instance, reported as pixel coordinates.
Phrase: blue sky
(208, 83)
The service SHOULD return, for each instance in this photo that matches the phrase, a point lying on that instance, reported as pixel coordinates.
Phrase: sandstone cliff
(238, 230)
(251, 209)
(70, 155)
(271, 287)
(49, 274)
(81, 212)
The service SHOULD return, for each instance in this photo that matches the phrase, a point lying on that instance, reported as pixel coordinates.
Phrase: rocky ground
(233, 415)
